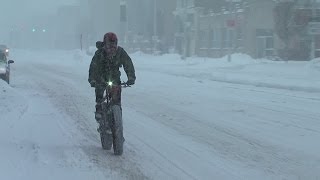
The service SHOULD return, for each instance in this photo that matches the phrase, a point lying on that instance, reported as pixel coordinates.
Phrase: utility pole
(155, 37)
(81, 41)
(312, 55)
(231, 26)
(230, 31)
(155, 17)
(124, 20)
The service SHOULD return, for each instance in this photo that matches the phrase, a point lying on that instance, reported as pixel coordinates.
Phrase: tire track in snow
(230, 143)
(73, 104)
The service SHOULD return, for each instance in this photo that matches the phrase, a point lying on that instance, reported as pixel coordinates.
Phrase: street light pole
(229, 31)
(155, 17)
(313, 10)
(124, 20)
(154, 25)
(232, 27)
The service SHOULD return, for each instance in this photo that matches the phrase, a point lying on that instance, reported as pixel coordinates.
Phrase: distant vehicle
(5, 49)
(5, 67)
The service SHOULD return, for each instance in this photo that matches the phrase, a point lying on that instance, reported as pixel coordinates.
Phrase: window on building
(190, 3)
(230, 37)
(239, 38)
(224, 41)
(317, 46)
(317, 42)
(190, 17)
(269, 50)
(269, 42)
(265, 42)
(216, 39)
(203, 39)
(179, 3)
(179, 25)
(317, 12)
(184, 3)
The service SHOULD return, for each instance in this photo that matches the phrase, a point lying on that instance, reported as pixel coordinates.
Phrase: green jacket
(103, 69)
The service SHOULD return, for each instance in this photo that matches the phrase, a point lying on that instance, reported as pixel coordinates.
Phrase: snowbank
(242, 69)
(315, 64)
(10, 103)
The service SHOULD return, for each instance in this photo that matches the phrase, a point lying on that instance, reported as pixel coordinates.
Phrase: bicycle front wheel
(117, 130)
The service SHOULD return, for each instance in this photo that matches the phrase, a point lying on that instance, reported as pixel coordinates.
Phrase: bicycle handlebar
(124, 84)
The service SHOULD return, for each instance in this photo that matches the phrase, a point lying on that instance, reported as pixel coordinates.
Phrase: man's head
(110, 41)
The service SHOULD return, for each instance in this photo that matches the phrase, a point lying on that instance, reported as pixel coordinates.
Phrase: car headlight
(110, 83)
(2, 70)
(7, 50)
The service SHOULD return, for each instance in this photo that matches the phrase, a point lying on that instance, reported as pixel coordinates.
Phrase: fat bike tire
(106, 140)
(105, 133)
(117, 130)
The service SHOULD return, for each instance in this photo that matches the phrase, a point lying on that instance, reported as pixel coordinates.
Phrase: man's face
(111, 46)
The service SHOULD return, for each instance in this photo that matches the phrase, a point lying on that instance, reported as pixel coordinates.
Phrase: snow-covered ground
(198, 118)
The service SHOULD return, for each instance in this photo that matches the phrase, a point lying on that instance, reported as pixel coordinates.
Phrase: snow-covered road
(178, 123)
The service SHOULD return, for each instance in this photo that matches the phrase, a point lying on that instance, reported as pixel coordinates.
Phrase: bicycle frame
(112, 93)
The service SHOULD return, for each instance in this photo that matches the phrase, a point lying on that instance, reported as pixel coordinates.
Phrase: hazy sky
(15, 11)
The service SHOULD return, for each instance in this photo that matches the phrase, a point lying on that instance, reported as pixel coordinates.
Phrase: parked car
(5, 67)
(5, 49)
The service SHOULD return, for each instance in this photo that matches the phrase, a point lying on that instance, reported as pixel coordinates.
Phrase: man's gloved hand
(93, 83)
(130, 82)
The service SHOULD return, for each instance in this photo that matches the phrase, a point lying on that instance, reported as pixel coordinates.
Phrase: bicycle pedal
(98, 116)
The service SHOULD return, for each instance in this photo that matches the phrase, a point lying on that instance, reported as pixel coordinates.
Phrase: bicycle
(110, 124)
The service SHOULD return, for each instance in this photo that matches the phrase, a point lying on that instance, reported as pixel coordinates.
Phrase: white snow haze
(224, 90)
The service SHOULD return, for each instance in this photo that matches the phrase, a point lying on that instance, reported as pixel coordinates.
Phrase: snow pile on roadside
(242, 69)
(235, 59)
(79, 55)
(10, 103)
(5, 93)
(12, 106)
(36, 139)
(202, 62)
(315, 64)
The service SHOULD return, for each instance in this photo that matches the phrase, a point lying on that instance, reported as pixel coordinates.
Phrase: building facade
(251, 27)
(246, 27)
(305, 27)
(186, 35)
(150, 25)
(104, 17)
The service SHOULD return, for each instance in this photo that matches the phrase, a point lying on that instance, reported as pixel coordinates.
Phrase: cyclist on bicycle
(105, 66)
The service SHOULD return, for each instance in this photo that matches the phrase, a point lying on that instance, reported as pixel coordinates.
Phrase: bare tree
(282, 15)
(290, 23)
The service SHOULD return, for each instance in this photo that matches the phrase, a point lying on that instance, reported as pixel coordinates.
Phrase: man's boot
(98, 113)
